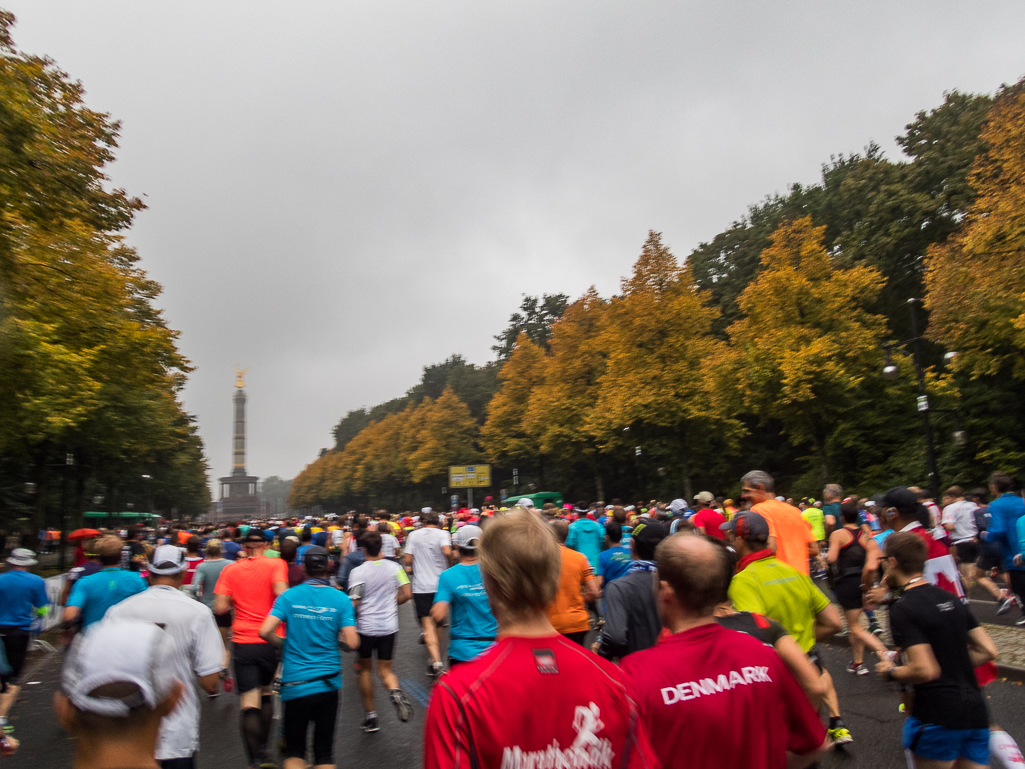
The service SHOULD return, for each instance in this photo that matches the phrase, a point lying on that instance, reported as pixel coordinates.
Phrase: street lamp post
(890, 371)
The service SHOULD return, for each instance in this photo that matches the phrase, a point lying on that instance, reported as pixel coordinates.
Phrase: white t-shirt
(425, 545)
(197, 652)
(389, 545)
(962, 515)
(378, 613)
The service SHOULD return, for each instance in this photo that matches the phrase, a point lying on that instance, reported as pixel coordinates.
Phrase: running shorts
(967, 550)
(319, 709)
(990, 557)
(937, 743)
(16, 642)
(848, 592)
(424, 602)
(384, 645)
(255, 665)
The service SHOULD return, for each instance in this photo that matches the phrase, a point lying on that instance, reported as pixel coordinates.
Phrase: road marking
(419, 693)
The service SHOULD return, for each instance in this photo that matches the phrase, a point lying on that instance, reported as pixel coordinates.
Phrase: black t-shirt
(130, 550)
(766, 630)
(930, 615)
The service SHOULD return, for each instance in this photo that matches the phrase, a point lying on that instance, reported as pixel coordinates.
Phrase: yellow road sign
(469, 476)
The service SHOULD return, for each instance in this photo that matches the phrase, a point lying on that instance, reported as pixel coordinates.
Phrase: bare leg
(387, 676)
(830, 699)
(7, 699)
(366, 682)
(431, 639)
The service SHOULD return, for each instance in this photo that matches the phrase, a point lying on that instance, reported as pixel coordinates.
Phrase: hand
(875, 595)
(883, 668)
(1018, 560)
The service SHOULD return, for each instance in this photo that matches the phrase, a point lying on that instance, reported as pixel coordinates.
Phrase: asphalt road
(868, 705)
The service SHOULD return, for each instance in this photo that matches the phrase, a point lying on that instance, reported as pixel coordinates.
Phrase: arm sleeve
(223, 586)
(446, 745)
(348, 613)
(77, 596)
(444, 591)
(1020, 532)
(600, 569)
(280, 608)
(614, 633)
(42, 599)
(402, 577)
(280, 573)
(819, 600)
(571, 540)
(209, 649)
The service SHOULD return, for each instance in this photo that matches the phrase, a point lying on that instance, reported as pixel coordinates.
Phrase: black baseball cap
(649, 532)
(256, 536)
(747, 525)
(316, 557)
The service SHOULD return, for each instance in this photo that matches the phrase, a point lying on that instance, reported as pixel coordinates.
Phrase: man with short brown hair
(93, 595)
(790, 536)
(695, 687)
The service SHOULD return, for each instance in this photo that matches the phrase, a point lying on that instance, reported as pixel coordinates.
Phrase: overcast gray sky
(342, 192)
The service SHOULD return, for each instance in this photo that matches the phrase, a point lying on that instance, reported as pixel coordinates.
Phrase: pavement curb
(1010, 672)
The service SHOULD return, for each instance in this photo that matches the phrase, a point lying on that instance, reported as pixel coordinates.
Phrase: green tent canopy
(129, 515)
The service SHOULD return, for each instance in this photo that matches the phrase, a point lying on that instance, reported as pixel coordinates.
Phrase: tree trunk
(599, 486)
(688, 490)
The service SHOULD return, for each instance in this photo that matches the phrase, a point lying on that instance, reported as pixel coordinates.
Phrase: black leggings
(320, 709)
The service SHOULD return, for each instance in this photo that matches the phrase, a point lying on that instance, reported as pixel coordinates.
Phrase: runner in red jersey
(535, 698)
(713, 697)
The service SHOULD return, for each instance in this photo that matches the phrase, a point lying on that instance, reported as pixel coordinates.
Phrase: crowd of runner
(589, 635)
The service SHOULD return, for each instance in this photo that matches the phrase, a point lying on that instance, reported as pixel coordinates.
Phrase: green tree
(804, 350)
(503, 436)
(662, 364)
(536, 317)
(562, 404)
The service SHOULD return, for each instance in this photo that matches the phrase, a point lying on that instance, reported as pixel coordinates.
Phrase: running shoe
(403, 707)
(6, 726)
(1005, 605)
(874, 629)
(857, 668)
(8, 746)
(1020, 623)
(840, 734)
(370, 724)
(422, 641)
(435, 669)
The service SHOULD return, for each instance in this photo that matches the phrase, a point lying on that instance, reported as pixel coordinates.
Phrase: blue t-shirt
(613, 564)
(98, 592)
(473, 626)
(586, 537)
(230, 548)
(20, 592)
(313, 615)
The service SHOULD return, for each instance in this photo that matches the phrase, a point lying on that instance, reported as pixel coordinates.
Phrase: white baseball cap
(468, 536)
(168, 560)
(425, 510)
(526, 502)
(119, 651)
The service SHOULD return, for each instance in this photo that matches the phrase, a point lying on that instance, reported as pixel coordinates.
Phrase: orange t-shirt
(250, 584)
(183, 537)
(567, 612)
(791, 531)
